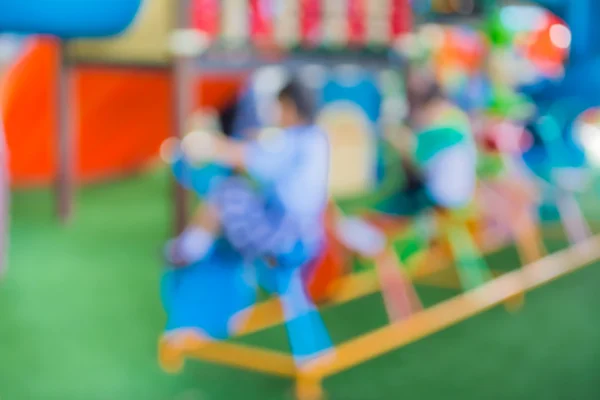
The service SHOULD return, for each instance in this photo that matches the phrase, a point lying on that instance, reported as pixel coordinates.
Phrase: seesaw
(178, 345)
(174, 349)
(172, 353)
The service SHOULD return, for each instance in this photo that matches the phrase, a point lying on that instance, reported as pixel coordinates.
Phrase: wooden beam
(263, 316)
(457, 309)
(432, 273)
(174, 349)
(4, 201)
(352, 287)
(182, 74)
(65, 148)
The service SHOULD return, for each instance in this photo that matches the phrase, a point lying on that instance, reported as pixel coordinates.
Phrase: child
(278, 223)
(446, 157)
(445, 152)
(290, 168)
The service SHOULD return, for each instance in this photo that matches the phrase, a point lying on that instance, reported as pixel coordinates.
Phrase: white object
(377, 21)
(451, 176)
(360, 236)
(195, 243)
(188, 43)
(235, 21)
(335, 22)
(589, 137)
(286, 23)
(572, 179)
(168, 150)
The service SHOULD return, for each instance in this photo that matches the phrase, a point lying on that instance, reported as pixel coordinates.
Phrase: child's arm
(451, 176)
(182, 171)
(266, 158)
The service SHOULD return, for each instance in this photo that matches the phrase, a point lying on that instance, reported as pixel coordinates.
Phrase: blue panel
(364, 93)
(67, 18)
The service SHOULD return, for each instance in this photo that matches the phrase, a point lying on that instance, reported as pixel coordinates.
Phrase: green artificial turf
(80, 317)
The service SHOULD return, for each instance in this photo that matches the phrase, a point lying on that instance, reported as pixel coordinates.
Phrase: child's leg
(233, 206)
(247, 221)
(307, 334)
(206, 217)
(259, 229)
(196, 242)
(398, 292)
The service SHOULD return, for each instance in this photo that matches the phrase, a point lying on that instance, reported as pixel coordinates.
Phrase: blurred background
(90, 90)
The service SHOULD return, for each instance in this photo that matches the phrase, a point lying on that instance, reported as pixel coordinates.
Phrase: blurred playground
(455, 253)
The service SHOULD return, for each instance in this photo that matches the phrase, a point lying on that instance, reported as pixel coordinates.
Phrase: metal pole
(182, 105)
(65, 149)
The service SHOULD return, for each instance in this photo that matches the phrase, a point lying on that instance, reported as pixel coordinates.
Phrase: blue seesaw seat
(207, 295)
(68, 19)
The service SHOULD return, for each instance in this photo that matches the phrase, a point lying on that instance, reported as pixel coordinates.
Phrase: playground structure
(67, 20)
(175, 346)
(381, 341)
(127, 63)
(299, 25)
(118, 96)
(576, 91)
(117, 107)
(488, 289)
(129, 68)
(64, 20)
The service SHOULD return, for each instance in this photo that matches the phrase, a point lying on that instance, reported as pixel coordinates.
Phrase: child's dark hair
(299, 95)
(420, 97)
(227, 117)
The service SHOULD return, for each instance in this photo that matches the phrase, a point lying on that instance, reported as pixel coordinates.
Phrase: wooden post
(174, 349)
(4, 196)
(182, 105)
(65, 149)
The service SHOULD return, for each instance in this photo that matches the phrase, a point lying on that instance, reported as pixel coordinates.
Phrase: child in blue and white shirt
(281, 214)
(274, 219)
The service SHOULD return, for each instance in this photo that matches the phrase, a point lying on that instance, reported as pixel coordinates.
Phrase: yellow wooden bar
(352, 287)
(262, 316)
(173, 351)
(260, 360)
(355, 286)
(455, 310)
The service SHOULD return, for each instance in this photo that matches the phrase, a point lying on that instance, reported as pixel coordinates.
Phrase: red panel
(310, 21)
(261, 23)
(357, 15)
(401, 18)
(206, 16)
(121, 115)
